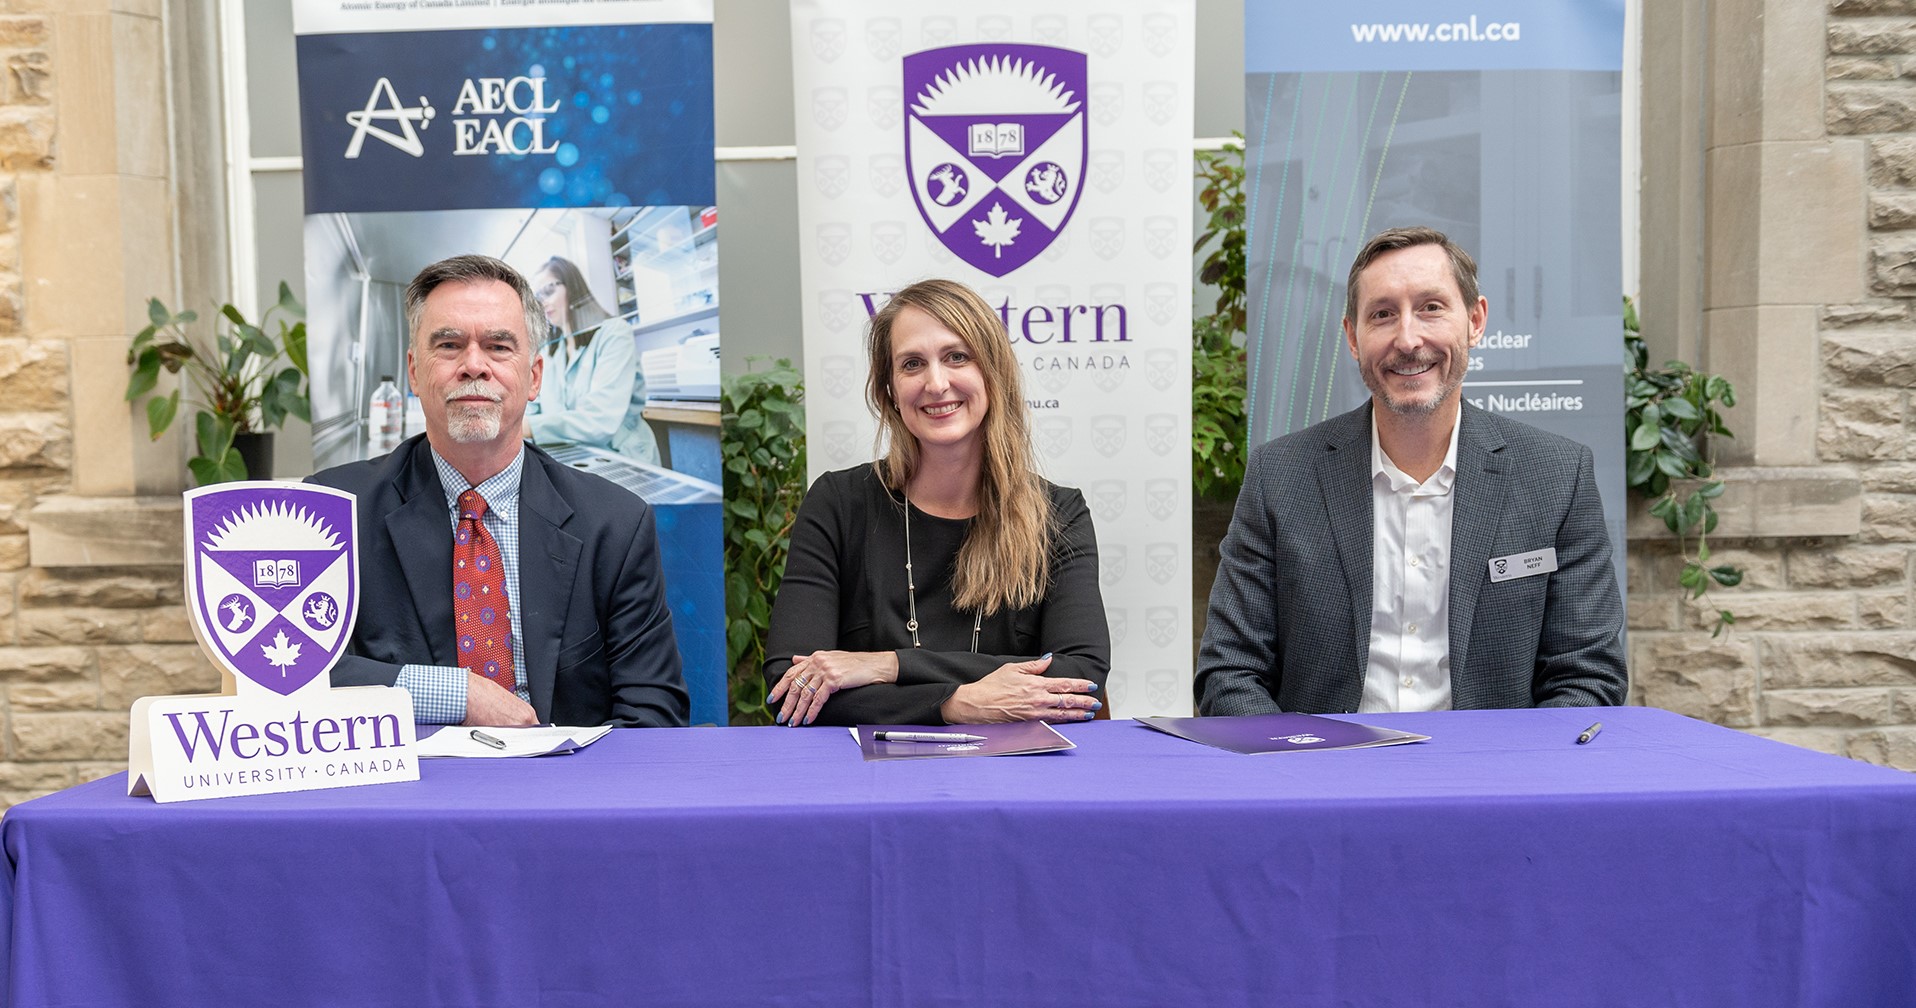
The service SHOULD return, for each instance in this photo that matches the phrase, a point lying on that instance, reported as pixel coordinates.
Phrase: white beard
(470, 423)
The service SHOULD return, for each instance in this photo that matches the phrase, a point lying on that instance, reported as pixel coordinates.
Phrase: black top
(844, 590)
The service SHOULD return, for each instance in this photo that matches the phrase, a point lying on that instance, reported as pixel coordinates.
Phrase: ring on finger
(812, 688)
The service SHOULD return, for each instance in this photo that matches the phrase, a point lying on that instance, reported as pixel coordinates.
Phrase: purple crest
(272, 579)
(995, 139)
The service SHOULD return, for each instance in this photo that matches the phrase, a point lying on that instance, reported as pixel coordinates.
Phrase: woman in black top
(945, 582)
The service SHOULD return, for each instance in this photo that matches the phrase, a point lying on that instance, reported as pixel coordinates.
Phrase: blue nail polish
(1042, 657)
(780, 719)
(1088, 715)
(1097, 705)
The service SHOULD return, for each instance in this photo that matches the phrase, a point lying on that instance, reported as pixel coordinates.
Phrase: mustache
(476, 388)
(1412, 360)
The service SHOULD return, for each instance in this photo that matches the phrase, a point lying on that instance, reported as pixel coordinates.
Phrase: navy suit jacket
(1289, 622)
(599, 647)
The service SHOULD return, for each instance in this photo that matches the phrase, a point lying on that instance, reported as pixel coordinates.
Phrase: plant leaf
(214, 434)
(295, 340)
(160, 411)
(145, 376)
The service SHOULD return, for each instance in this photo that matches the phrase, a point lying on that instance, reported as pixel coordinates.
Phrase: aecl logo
(362, 120)
(492, 115)
(1503, 566)
(1297, 739)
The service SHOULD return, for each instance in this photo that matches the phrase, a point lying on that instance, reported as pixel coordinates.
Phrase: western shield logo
(272, 579)
(995, 139)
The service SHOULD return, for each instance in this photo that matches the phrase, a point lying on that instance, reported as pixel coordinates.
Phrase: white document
(545, 740)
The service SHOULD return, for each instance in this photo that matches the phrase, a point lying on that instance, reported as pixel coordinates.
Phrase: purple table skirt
(1669, 862)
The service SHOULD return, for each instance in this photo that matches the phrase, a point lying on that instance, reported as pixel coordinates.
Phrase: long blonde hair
(1005, 562)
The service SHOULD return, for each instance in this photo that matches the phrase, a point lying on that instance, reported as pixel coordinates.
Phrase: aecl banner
(574, 142)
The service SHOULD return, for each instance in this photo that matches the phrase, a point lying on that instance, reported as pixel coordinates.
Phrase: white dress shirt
(1410, 585)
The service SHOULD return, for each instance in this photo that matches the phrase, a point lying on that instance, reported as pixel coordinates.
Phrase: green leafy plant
(1219, 369)
(764, 453)
(246, 380)
(1670, 418)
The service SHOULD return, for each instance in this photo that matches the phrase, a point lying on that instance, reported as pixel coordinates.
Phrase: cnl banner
(573, 141)
(1040, 152)
(1498, 124)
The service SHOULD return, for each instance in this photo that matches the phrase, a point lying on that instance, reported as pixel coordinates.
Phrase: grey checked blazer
(1289, 623)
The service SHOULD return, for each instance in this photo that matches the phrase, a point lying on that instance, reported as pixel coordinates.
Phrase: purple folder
(1014, 739)
(1269, 733)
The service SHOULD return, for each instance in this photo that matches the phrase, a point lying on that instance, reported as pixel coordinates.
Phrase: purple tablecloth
(1669, 862)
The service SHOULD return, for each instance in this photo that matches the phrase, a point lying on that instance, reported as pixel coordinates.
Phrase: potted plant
(1220, 427)
(242, 383)
(764, 452)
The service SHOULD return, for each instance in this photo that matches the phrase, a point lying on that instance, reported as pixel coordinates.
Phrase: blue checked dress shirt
(439, 691)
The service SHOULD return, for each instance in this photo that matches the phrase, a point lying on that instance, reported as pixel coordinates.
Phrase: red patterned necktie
(479, 606)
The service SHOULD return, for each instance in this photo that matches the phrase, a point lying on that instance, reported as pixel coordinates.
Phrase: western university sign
(272, 589)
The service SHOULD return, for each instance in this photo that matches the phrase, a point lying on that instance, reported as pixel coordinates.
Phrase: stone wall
(83, 192)
(1824, 650)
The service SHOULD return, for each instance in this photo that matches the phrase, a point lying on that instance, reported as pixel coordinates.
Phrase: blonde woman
(945, 582)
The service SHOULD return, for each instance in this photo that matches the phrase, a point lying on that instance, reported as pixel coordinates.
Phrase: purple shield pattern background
(272, 579)
(995, 141)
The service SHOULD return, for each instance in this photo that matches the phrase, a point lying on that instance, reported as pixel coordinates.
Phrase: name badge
(1518, 565)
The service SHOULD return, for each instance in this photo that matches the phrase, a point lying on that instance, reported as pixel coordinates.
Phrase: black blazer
(598, 638)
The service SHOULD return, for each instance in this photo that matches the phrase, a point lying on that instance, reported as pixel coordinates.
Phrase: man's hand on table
(489, 705)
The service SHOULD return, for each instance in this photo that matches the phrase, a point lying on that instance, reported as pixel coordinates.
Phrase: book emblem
(269, 573)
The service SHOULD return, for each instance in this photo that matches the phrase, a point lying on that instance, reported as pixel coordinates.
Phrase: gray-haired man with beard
(498, 586)
(1416, 553)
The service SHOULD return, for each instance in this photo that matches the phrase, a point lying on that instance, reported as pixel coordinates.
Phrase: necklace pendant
(912, 625)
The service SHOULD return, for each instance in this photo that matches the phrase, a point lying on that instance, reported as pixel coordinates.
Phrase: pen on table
(918, 736)
(1590, 733)
(496, 743)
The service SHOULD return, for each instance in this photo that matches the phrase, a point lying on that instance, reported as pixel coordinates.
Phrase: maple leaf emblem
(998, 229)
(280, 652)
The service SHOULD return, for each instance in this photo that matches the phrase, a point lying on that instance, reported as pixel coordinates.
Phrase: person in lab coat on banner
(593, 388)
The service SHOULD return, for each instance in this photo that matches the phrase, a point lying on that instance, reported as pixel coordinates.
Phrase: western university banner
(575, 143)
(1497, 124)
(1040, 152)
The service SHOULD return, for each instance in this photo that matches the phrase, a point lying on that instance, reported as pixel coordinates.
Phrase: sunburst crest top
(995, 85)
(272, 525)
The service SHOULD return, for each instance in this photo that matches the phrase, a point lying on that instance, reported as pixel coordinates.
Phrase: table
(1668, 862)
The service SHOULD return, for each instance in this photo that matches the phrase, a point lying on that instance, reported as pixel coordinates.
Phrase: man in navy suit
(591, 638)
(1416, 553)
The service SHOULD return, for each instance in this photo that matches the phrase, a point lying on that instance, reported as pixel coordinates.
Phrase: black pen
(1590, 733)
(496, 743)
(916, 736)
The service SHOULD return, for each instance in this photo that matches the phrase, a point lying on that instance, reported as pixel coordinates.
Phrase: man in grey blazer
(1416, 553)
(587, 638)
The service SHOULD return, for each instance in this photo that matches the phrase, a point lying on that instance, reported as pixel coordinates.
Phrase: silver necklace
(911, 592)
